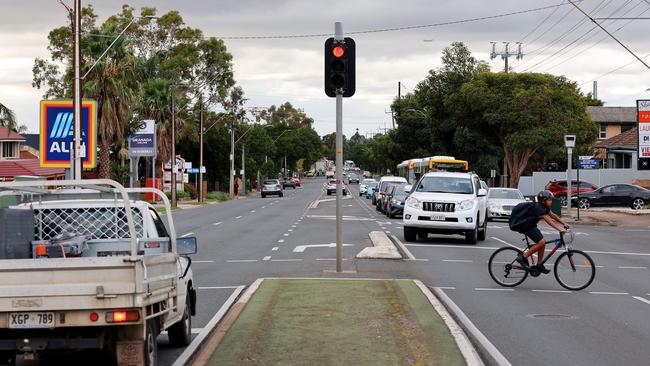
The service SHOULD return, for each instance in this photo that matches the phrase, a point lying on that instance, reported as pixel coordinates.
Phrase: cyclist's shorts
(534, 234)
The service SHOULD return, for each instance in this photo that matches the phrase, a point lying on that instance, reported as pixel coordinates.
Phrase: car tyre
(281, 194)
(263, 195)
(410, 234)
(471, 237)
(584, 203)
(638, 204)
(151, 344)
(180, 334)
(482, 232)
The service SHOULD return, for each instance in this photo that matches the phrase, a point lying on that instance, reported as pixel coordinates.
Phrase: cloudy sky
(557, 40)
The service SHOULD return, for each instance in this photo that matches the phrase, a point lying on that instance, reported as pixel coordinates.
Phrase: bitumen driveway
(537, 323)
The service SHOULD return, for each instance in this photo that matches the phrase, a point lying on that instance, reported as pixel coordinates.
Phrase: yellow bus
(413, 169)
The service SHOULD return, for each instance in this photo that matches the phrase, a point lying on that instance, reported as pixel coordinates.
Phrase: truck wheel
(471, 236)
(180, 334)
(151, 344)
(409, 234)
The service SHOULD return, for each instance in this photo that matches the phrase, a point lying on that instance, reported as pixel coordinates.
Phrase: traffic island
(338, 322)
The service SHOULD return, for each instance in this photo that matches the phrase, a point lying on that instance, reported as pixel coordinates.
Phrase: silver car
(271, 187)
(501, 201)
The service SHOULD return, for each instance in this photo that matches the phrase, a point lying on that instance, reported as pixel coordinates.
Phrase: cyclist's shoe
(543, 269)
(522, 261)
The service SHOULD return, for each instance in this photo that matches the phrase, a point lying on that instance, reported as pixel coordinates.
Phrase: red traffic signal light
(338, 51)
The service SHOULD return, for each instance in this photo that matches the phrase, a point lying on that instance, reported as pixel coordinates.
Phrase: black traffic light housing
(339, 67)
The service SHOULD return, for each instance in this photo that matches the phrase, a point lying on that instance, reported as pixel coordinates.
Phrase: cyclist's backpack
(520, 218)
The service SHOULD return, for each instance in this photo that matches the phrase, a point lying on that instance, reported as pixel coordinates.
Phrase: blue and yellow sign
(57, 132)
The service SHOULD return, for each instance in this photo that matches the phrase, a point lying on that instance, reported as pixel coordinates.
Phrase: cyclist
(524, 219)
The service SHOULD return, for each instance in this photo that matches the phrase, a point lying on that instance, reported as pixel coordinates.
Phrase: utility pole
(232, 159)
(243, 169)
(201, 153)
(506, 54)
(173, 158)
(77, 100)
(338, 36)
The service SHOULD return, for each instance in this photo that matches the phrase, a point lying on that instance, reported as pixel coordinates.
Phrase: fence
(531, 185)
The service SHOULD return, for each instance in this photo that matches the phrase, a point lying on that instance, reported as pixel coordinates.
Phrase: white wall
(600, 177)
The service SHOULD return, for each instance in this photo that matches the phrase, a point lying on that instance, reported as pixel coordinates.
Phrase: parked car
(383, 185)
(370, 191)
(559, 188)
(385, 198)
(363, 187)
(288, 183)
(446, 203)
(501, 201)
(297, 181)
(271, 187)
(330, 187)
(310, 174)
(396, 194)
(615, 195)
(353, 178)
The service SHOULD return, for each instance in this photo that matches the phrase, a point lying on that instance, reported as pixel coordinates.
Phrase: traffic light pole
(338, 35)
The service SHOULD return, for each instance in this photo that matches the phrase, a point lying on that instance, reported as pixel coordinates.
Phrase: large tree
(7, 118)
(523, 114)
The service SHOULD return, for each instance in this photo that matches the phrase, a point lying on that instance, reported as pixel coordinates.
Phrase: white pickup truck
(86, 267)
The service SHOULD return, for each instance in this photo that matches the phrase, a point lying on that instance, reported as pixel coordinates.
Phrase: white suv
(446, 203)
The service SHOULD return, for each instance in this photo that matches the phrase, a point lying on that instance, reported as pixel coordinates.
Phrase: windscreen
(509, 194)
(445, 185)
(270, 182)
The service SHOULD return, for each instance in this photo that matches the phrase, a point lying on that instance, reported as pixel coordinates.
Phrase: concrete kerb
(470, 354)
(490, 354)
(383, 247)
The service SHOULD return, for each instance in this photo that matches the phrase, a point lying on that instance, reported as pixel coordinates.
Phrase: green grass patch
(218, 196)
(338, 322)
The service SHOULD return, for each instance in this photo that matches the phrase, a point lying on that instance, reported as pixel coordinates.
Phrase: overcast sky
(272, 71)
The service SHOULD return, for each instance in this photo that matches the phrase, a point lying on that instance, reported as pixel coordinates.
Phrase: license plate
(438, 217)
(31, 320)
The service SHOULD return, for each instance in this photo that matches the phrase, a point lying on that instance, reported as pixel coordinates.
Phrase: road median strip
(383, 247)
(337, 321)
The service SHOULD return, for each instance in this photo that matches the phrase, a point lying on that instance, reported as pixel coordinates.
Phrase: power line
(614, 70)
(539, 24)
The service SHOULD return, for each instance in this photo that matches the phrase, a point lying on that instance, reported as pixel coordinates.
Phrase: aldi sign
(57, 133)
(643, 125)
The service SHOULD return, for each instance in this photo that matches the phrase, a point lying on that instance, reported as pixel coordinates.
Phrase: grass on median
(338, 322)
(218, 196)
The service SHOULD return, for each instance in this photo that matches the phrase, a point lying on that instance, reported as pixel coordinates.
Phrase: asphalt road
(537, 323)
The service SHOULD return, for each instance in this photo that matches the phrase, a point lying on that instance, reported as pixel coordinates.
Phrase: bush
(219, 196)
(181, 195)
(191, 190)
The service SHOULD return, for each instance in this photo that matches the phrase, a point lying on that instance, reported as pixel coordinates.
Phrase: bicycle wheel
(503, 268)
(574, 270)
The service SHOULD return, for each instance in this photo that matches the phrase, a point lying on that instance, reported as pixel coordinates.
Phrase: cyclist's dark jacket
(526, 215)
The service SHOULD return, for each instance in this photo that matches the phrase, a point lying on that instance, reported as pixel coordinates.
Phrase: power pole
(76, 101)
(243, 169)
(505, 53)
(338, 35)
(173, 158)
(232, 159)
(201, 153)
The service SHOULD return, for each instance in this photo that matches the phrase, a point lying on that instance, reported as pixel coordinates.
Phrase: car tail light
(94, 317)
(122, 316)
(41, 250)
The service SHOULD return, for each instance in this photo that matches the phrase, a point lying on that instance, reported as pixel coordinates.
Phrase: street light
(284, 172)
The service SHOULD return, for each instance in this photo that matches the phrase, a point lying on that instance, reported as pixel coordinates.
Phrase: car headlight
(413, 202)
(465, 205)
(494, 206)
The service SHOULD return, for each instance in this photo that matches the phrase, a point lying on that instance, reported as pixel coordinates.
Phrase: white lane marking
(268, 257)
(281, 241)
(617, 253)
(198, 340)
(458, 260)
(241, 260)
(632, 267)
(553, 291)
(417, 260)
(504, 242)
(202, 262)
(286, 260)
(435, 246)
(217, 223)
(263, 206)
(494, 227)
(194, 331)
(383, 227)
(275, 249)
(446, 287)
(301, 248)
(238, 217)
(493, 289)
(252, 211)
(293, 226)
(329, 259)
(607, 293)
(285, 234)
(289, 230)
(642, 299)
(186, 234)
(217, 287)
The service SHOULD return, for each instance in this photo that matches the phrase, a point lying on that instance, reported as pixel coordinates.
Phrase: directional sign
(192, 170)
(589, 163)
(57, 132)
(643, 125)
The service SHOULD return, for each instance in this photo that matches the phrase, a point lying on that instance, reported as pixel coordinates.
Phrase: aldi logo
(57, 133)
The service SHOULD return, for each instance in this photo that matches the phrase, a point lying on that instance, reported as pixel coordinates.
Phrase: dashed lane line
(632, 267)
(275, 249)
(202, 261)
(187, 234)
(608, 293)
(217, 223)
(242, 260)
(493, 289)
(218, 287)
(553, 291)
(238, 217)
(287, 260)
(458, 260)
(281, 241)
(642, 299)
(268, 257)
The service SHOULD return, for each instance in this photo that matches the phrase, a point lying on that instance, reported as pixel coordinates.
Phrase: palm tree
(8, 118)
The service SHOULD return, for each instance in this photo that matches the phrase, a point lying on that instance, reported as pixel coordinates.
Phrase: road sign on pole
(643, 126)
(143, 142)
(57, 133)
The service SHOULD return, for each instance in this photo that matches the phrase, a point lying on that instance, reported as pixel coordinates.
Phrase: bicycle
(573, 269)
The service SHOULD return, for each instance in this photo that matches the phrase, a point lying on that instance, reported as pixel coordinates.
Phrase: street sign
(584, 157)
(57, 132)
(188, 165)
(192, 170)
(643, 126)
(143, 142)
(589, 163)
(203, 169)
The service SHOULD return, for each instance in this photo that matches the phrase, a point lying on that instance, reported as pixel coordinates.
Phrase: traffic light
(339, 67)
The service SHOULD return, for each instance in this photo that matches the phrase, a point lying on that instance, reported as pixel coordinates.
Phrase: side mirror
(407, 188)
(482, 192)
(186, 246)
